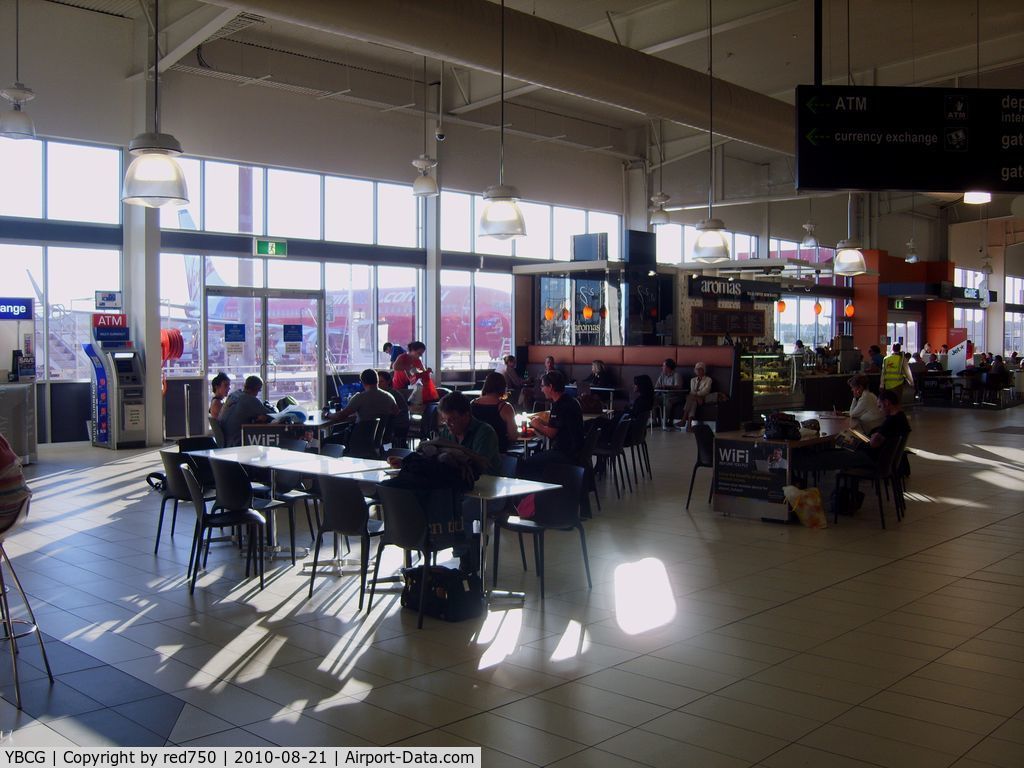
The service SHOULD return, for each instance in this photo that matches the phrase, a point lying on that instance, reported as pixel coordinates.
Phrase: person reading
(244, 407)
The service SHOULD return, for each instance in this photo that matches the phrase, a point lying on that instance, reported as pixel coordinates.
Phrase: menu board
(735, 322)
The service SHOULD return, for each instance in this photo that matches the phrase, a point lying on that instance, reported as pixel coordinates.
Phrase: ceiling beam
(182, 37)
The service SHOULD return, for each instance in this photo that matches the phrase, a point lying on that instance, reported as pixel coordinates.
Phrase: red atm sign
(110, 327)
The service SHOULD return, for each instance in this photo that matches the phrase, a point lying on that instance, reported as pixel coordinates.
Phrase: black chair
(554, 511)
(345, 512)
(885, 472)
(234, 495)
(175, 490)
(362, 440)
(332, 450)
(406, 525)
(384, 433)
(426, 428)
(614, 453)
(289, 489)
(206, 522)
(218, 432)
(292, 444)
(705, 457)
(200, 464)
(27, 626)
(636, 441)
(585, 459)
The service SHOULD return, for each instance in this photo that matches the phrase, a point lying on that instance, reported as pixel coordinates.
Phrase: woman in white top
(700, 388)
(864, 410)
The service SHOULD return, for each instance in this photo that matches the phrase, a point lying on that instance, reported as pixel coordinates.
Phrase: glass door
(267, 333)
(293, 349)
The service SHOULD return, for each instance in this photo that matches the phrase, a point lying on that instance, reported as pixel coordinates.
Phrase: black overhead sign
(925, 139)
(737, 290)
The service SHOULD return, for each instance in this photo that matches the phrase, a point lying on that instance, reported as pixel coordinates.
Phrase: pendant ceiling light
(849, 260)
(977, 198)
(501, 217)
(911, 257)
(154, 178)
(781, 306)
(658, 213)
(817, 307)
(809, 241)
(16, 124)
(849, 311)
(712, 247)
(425, 185)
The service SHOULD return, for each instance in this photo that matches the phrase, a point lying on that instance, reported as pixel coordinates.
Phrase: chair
(292, 444)
(206, 522)
(345, 512)
(288, 488)
(200, 464)
(406, 525)
(586, 460)
(885, 472)
(362, 440)
(384, 433)
(636, 441)
(614, 452)
(175, 490)
(218, 432)
(554, 511)
(29, 626)
(234, 495)
(427, 426)
(332, 450)
(705, 457)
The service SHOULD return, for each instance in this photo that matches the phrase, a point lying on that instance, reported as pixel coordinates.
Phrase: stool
(27, 626)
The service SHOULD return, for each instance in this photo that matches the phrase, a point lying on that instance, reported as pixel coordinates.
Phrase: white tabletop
(293, 461)
(488, 487)
(313, 464)
(252, 455)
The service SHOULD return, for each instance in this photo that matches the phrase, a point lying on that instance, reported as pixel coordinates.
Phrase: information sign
(15, 309)
(735, 322)
(262, 246)
(751, 470)
(110, 327)
(234, 338)
(292, 339)
(109, 300)
(924, 139)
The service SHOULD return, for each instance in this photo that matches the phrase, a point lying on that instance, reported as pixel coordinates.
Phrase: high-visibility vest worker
(892, 369)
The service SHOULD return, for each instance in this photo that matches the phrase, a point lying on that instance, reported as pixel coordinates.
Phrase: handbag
(451, 594)
(781, 426)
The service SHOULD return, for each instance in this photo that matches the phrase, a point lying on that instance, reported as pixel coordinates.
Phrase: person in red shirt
(408, 367)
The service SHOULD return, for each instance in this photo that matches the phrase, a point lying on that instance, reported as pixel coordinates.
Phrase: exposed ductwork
(546, 54)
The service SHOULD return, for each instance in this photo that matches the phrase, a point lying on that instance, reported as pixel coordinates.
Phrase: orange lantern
(603, 312)
(565, 314)
(781, 306)
(817, 307)
(588, 312)
(849, 310)
(549, 314)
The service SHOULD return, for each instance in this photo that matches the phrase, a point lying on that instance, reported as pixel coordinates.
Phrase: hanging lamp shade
(501, 217)
(849, 311)
(549, 313)
(565, 314)
(154, 178)
(849, 260)
(977, 198)
(809, 241)
(712, 243)
(588, 312)
(781, 306)
(817, 307)
(603, 313)
(911, 257)
(425, 185)
(659, 216)
(16, 124)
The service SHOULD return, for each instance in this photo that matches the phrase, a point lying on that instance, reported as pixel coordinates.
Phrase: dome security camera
(439, 133)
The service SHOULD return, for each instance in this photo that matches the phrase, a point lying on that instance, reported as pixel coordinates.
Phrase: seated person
(220, 385)
(700, 391)
(400, 421)
(643, 400)
(933, 363)
(563, 428)
(537, 394)
(599, 376)
(244, 407)
(864, 411)
(13, 490)
(513, 381)
(671, 379)
(492, 408)
(408, 367)
(371, 403)
(893, 427)
(457, 424)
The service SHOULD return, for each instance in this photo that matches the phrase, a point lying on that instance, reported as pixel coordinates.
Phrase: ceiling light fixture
(659, 215)
(849, 260)
(154, 178)
(712, 245)
(425, 185)
(809, 241)
(977, 198)
(501, 217)
(16, 124)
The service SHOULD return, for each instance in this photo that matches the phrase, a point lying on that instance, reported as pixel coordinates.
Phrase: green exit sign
(897, 303)
(262, 246)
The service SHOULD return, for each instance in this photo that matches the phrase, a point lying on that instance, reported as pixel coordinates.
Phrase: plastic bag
(806, 503)
(430, 394)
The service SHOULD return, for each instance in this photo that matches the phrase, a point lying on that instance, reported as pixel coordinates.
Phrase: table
(487, 488)
(269, 434)
(456, 384)
(663, 394)
(751, 471)
(472, 393)
(830, 422)
(264, 457)
(611, 394)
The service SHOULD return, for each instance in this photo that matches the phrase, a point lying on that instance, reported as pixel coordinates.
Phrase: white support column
(432, 273)
(635, 198)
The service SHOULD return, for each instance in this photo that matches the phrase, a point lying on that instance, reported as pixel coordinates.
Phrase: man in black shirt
(563, 428)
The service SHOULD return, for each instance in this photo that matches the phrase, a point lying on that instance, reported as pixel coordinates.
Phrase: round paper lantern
(603, 312)
(781, 306)
(653, 312)
(817, 307)
(588, 312)
(565, 314)
(849, 310)
(549, 314)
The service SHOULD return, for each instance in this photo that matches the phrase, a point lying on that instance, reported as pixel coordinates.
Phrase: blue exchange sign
(15, 309)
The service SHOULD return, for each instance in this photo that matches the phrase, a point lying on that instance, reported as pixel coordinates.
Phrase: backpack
(439, 464)
(451, 594)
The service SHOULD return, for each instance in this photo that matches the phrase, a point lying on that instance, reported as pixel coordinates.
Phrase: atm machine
(118, 387)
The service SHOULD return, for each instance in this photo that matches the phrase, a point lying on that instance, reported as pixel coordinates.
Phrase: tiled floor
(706, 640)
